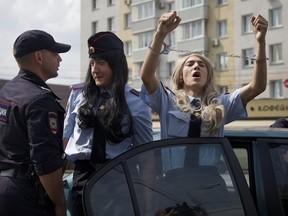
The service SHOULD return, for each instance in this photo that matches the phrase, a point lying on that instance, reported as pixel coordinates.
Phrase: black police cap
(34, 40)
(103, 41)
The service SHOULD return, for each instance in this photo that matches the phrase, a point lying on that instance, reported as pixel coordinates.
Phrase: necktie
(192, 151)
(195, 121)
(98, 151)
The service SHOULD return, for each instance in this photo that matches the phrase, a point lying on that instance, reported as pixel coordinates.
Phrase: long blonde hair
(212, 112)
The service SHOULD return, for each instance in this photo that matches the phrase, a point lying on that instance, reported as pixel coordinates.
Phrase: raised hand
(260, 26)
(168, 22)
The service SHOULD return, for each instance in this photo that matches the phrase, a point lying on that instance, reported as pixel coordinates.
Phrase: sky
(60, 18)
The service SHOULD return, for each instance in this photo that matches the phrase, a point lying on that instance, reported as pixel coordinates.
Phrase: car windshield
(163, 177)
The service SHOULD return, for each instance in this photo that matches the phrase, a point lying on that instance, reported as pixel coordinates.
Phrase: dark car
(249, 176)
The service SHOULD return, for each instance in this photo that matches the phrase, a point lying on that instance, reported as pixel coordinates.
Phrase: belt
(15, 173)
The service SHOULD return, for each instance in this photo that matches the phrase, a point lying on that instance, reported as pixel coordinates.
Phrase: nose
(196, 65)
(59, 57)
(93, 67)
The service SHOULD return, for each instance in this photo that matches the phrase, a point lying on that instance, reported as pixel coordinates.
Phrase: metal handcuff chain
(167, 48)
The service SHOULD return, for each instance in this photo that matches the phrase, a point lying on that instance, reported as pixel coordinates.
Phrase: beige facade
(217, 26)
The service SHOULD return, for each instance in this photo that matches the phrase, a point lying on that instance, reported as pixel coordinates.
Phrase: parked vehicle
(250, 177)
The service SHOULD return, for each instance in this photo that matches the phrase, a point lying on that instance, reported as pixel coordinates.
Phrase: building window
(276, 88)
(171, 38)
(222, 28)
(276, 53)
(171, 66)
(111, 24)
(221, 2)
(94, 4)
(94, 27)
(249, 53)
(128, 48)
(127, 20)
(144, 39)
(138, 66)
(110, 2)
(170, 6)
(222, 61)
(193, 29)
(246, 23)
(275, 16)
(145, 10)
(191, 3)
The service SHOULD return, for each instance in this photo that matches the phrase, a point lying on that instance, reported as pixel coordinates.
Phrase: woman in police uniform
(105, 117)
(194, 108)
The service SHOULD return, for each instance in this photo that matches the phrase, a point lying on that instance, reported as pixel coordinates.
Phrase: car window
(279, 156)
(154, 179)
(242, 156)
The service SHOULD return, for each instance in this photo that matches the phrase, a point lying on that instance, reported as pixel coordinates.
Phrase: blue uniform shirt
(175, 123)
(80, 141)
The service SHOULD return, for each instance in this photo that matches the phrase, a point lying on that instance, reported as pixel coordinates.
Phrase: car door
(170, 173)
(263, 156)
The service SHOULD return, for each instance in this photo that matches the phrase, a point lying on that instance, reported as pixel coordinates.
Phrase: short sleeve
(45, 129)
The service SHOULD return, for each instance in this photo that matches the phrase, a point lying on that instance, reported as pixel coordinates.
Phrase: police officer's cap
(34, 40)
(103, 41)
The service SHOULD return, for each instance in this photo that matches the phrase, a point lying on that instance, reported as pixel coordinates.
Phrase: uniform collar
(191, 98)
(109, 91)
(32, 77)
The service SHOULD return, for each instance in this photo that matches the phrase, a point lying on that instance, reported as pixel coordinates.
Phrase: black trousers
(18, 197)
(82, 171)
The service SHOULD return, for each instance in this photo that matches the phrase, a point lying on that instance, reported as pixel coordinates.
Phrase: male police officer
(31, 127)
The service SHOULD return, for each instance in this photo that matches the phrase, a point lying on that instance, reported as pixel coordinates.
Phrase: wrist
(160, 35)
(165, 49)
(261, 60)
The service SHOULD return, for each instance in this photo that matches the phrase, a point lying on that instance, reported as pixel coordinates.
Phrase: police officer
(281, 122)
(105, 117)
(31, 128)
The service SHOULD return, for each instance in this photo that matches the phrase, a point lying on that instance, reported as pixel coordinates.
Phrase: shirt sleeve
(45, 128)
(142, 124)
(233, 105)
(70, 117)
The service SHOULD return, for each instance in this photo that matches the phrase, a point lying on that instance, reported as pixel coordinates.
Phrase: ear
(38, 56)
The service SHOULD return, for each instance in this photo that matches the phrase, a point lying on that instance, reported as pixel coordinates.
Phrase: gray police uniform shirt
(175, 123)
(81, 140)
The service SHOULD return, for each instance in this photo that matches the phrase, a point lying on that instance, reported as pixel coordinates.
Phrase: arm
(166, 24)
(259, 79)
(69, 121)
(65, 141)
(53, 185)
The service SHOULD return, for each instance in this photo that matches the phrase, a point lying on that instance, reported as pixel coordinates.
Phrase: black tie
(195, 120)
(98, 151)
(192, 152)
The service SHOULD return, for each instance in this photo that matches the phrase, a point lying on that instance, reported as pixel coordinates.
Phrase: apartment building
(219, 27)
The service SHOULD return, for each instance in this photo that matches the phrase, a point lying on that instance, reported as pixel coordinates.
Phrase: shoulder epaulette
(45, 89)
(166, 87)
(77, 86)
(135, 92)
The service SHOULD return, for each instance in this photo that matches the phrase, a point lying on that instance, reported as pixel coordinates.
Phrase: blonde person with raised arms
(193, 83)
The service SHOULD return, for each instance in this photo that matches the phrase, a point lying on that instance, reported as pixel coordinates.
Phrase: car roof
(257, 132)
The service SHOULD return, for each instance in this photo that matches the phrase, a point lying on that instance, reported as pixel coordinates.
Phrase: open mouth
(196, 74)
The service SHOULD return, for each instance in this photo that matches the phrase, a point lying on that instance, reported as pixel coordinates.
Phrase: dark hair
(116, 119)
